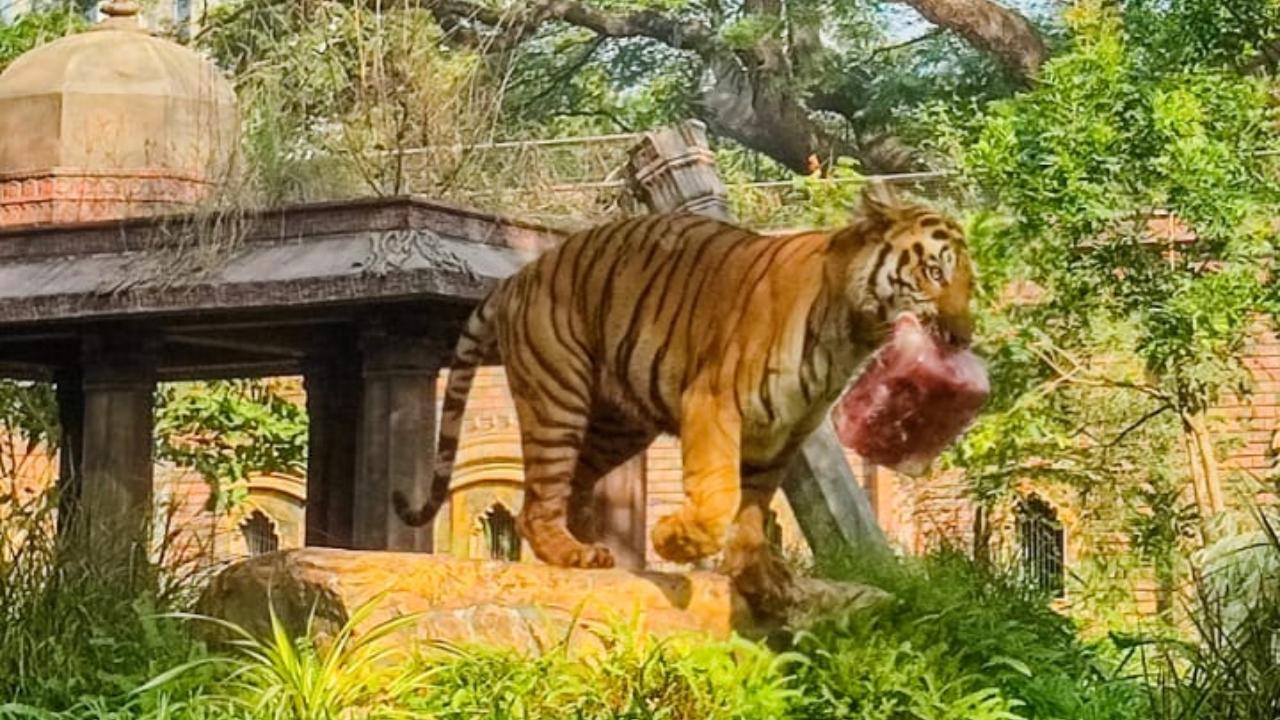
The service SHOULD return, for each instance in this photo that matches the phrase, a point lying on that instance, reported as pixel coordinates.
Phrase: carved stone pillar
(829, 503)
(397, 436)
(118, 426)
(333, 382)
(69, 390)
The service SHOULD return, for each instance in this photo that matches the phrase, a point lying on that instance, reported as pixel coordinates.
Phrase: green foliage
(806, 201)
(631, 677)
(36, 28)
(868, 82)
(1081, 161)
(331, 91)
(1237, 33)
(225, 430)
(228, 430)
(1229, 670)
(287, 677)
(955, 642)
(29, 413)
(1106, 339)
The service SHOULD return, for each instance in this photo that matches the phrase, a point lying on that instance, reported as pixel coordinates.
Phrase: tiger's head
(910, 258)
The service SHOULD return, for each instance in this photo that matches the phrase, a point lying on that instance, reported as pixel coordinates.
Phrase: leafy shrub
(956, 641)
(32, 29)
(634, 677)
(1231, 669)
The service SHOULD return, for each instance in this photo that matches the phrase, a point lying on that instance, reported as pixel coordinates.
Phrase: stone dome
(111, 123)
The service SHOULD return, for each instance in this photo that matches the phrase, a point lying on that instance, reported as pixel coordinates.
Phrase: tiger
(736, 342)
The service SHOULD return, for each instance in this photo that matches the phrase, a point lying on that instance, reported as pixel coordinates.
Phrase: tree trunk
(982, 536)
(1208, 462)
(762, 111)
(1203, 468)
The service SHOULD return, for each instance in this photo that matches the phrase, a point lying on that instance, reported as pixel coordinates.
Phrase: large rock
(524, 606)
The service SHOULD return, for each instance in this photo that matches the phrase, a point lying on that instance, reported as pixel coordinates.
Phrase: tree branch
(923, 37)
(525, 19)
(751, 98)
(1001, 32)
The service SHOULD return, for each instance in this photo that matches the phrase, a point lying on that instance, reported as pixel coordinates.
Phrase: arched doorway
(260, 535)
(500, 536)
(1041, 546)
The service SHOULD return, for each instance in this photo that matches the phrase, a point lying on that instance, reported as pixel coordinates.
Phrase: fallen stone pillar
(522, 605)
(525, 606)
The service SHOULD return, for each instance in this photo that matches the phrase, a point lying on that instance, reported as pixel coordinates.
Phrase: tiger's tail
(474, 346)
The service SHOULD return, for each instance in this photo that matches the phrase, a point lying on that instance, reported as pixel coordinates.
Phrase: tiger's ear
(878, 208)
(878, 203)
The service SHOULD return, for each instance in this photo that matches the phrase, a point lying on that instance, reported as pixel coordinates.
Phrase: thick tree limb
(1001, 32)
(764, 112)
(757, 106)
(524, 19)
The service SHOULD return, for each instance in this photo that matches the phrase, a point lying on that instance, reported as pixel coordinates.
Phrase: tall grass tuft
(632, 675)
(957, 641)
(73, 627)
(360, 671)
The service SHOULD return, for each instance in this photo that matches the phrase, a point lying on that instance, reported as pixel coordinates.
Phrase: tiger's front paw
(679, 539)
(590, 556)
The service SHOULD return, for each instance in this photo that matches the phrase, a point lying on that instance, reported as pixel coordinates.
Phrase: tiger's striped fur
(737, 342)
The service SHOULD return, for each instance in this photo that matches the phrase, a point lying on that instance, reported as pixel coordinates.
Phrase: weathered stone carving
(393, 249)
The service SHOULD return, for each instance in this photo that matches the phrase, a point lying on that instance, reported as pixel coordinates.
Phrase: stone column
(116, 463)
(620, 512)
(69, 390)
(672, 169)
(829, 503)
(333, 383)
(397, 436)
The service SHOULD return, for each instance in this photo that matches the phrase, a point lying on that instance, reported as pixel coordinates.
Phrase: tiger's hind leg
(551, 436)
(612, 439)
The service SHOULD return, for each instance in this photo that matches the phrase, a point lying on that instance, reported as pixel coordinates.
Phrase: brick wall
(1252, 422)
